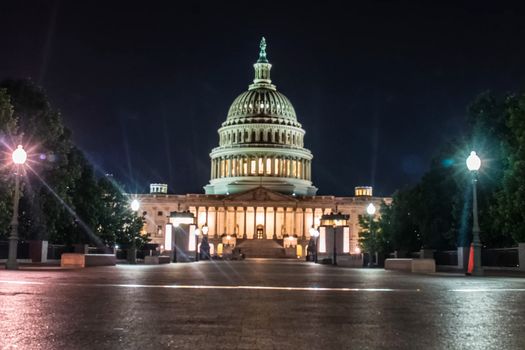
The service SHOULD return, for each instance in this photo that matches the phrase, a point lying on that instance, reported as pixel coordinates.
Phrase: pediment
(261, 194)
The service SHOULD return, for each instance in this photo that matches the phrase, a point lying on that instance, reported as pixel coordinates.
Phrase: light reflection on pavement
(257, 304)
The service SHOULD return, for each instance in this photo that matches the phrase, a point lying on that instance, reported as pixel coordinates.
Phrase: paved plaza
(257, 304)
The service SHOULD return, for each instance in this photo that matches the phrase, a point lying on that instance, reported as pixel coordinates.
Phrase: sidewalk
(487, 271)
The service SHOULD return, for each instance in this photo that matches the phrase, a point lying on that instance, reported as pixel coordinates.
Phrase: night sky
(377, 86)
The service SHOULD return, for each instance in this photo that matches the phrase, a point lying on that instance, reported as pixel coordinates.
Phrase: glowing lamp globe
(19, 155)
(135, 205)
(197, 232)
(371, 209)
(205, 229)
(473, 162)
(313, 232)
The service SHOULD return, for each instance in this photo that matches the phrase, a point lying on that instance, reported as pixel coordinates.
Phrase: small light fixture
(473, 161)
(135, 205)
(19, 155)
(371, 209)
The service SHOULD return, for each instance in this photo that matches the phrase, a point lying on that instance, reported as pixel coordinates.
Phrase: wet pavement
(257, 304)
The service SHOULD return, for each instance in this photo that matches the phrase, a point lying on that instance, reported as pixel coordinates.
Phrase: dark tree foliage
(508, 210)
(397, 222)
(438, 209)
(62, 198)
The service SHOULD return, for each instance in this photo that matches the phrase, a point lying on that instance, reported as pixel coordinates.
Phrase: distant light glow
(19, 155)
(357, 250)
(371, 209)
(135, 205)
(473, 162)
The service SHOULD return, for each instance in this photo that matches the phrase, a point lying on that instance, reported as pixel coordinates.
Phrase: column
(294, 226)
(206, 208)
(225, 217)
(304, 223)
(244, 226)
(264, 225)
(197, 215)
(284, 220)
(216, 221)
(274, 223)
(255, 222)
(235, 221)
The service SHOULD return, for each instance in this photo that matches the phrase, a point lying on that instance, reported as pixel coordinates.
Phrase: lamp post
(132, 252)
(473, 165)
(19, 157)
(197, 232)
(205, 246)
(371, 210)
(314, 234)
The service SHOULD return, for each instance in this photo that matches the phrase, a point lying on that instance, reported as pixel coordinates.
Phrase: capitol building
(260, 189)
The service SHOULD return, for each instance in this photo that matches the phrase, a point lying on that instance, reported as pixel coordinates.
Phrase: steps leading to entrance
(261, 248)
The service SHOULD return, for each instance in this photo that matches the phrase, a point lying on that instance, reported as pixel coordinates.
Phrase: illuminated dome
(261, 105)
(261, 142)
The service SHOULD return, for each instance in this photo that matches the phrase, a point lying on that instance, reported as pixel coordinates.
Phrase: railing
(447, 257)
(500, 257)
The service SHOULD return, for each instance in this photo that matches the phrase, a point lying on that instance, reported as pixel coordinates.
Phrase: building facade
(260, 181)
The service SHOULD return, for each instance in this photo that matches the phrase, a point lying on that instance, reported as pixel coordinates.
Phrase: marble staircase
(261, 248)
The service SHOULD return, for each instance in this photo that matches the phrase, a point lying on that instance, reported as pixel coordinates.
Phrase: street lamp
(132, 251)
(314, 234)
(197, 233)
(371, 210)
(205, 246)
(19, 157)
(473, 165)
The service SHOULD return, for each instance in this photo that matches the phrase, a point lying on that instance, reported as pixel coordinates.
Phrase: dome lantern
(262, 70)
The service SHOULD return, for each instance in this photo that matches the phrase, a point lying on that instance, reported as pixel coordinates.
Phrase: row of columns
(280, 137)
(231, 166)
(218, 224)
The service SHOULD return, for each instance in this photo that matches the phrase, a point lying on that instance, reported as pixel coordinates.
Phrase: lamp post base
(477, 272)
(11, 265)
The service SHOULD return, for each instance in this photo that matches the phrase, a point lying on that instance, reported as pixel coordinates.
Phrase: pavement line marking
(184, 286)
(21, 282)
(485, 290)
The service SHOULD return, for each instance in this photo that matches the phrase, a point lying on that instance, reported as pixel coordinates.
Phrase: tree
(510, 199)
(7, 125)
(372, 238)
(40, 128)
(397, 222)
(117, 222)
